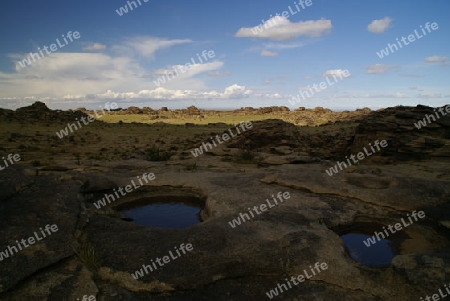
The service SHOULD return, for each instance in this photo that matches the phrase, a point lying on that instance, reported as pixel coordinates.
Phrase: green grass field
(170, 118)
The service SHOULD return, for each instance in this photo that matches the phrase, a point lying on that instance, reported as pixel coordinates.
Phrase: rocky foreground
(95, 251)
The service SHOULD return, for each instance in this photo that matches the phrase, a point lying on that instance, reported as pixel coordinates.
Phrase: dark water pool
(169, 212)
(378, 254)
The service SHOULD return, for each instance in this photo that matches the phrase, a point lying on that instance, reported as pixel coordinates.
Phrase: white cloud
(336, 73)
(72, 75)
(370, 95)
(343, 95)
(94, 47)
(379, 26)
(9, 75)
(143, 96)
(59, 74)
(234, 91)
(231, 92)
(395, 95)
(443, 60)
(281, 46)
(281, 29)
(219, 74)
(270, 96)
(194, 69)
(268, 53)
(147, 46)
(430, 95)
(380, 68)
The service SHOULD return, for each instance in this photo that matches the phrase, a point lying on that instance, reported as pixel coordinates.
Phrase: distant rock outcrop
(38, 111)
(266, 110)
(134, 110)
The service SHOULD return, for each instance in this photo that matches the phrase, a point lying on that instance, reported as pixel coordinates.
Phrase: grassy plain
(137, 136)
(171, 118)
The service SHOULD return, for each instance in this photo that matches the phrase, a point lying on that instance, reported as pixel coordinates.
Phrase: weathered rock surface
(240, 263)
(95, 250)
(23, 212)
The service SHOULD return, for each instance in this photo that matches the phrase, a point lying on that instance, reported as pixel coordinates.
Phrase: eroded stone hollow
(365, 247)
(164, 207)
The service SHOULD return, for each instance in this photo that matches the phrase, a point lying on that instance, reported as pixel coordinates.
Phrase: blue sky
(119, 57)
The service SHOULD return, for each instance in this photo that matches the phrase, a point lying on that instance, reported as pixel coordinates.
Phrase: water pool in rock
(376, 255)
(163, 212)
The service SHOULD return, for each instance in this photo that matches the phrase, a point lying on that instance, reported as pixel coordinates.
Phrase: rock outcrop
(405, 141)
(40, 112)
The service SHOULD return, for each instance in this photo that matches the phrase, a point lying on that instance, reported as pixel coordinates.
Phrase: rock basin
(163, 212)
(363, 247)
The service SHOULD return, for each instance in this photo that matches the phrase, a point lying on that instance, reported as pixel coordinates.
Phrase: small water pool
(163, 212)
(361, 246)
(379, 254)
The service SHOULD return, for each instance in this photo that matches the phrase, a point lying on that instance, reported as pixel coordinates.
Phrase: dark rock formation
(40, 112)
(134, 110)
(405, 140)
(264, 135)
(34, 203)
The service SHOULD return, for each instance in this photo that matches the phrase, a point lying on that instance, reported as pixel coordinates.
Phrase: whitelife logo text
(31, 241)
(110, 197)
(161, 261)
(244, 126)
(86, 120)
(360, 155)
(391, 48)
(282, 196)
(76, 35)
(371, 241)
